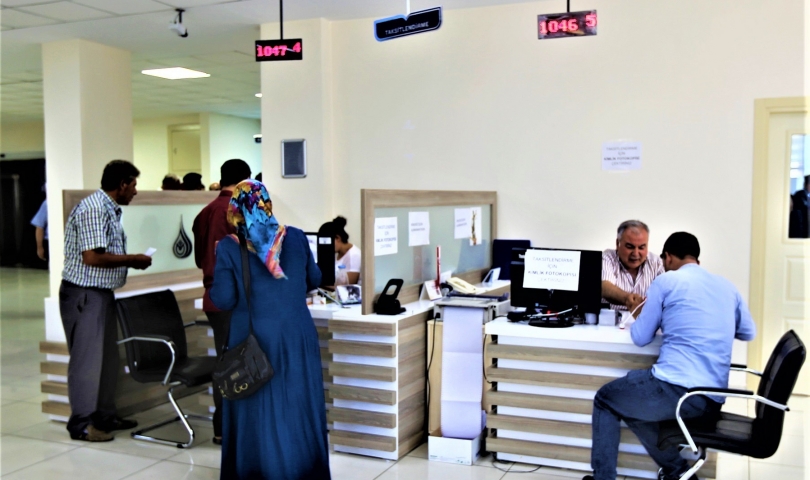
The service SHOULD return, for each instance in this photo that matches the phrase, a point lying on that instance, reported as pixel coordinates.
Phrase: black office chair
(757, 437)
(155, 342)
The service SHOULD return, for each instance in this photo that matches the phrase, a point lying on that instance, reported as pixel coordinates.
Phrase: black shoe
(661, 476)
(217, 441)
(587, 477)
(92, 434)
(116, 423)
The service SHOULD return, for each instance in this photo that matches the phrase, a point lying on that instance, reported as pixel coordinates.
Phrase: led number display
(572, 24)
(278, 50)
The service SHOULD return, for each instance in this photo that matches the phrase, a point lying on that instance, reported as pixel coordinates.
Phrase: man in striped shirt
(628, 271)
(96, 263)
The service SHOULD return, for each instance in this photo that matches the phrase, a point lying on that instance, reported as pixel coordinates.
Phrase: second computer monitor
(586, 299)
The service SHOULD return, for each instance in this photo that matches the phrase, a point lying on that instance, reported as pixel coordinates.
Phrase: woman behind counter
(347, 256)
(280, 431)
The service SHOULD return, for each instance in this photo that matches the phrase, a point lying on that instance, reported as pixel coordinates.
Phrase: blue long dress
(280, 431)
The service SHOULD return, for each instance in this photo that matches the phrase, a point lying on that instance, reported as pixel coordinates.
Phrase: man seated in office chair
(628, 271)
(700, 315)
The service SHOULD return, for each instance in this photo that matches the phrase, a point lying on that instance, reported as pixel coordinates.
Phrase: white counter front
(544, 383)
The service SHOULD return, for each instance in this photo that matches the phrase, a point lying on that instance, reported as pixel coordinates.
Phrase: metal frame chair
(756, 437)
(149, 322)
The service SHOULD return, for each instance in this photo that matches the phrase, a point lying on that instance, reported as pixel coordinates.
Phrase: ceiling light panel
(175, 73)
(125, 7)
(66, 11)
(17, 19)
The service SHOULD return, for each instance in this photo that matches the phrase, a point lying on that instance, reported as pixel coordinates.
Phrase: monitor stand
(532, 314)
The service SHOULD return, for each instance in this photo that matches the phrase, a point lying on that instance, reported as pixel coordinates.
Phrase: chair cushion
(727, 431)
(191, 372)
(194, 371)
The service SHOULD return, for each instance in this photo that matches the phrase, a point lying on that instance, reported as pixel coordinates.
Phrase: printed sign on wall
(552, 270)
(621, 156)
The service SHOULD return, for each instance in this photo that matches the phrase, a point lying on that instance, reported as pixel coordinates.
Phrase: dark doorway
(21, 195)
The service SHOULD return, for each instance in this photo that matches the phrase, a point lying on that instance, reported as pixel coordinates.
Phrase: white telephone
(461, 286)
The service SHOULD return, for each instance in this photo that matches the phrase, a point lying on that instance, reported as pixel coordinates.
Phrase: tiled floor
(32, 447)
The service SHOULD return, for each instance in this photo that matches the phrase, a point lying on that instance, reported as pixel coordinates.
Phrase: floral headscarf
(251, 212)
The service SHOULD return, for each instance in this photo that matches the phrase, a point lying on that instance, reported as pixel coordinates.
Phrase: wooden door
(780, 275)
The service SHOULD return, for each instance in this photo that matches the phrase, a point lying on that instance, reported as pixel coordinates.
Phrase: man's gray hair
(631, 224)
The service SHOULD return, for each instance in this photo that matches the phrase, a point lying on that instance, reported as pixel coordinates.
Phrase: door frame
(763, 110)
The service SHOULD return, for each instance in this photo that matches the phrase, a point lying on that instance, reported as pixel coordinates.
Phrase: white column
(297, 103)
(87, 91)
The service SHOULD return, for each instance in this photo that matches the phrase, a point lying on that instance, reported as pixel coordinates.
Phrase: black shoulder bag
(244, 369)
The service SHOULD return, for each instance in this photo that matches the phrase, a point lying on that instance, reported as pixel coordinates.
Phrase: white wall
(297, 103)
(151, 147)
(481, 104)
(224, 137)
(22, 139)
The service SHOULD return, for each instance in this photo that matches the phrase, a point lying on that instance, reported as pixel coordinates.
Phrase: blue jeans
(641, 400)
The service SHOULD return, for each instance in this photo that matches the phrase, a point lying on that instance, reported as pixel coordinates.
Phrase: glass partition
(416, 265)
(160, 227)
(462, 222)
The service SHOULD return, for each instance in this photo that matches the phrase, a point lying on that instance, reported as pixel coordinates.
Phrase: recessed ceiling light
(175, 73)
(258, 95)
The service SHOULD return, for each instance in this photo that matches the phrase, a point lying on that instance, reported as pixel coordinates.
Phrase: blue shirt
(41, 218)
(700, 315)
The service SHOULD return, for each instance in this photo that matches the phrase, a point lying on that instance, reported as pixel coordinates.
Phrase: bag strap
(246, 277)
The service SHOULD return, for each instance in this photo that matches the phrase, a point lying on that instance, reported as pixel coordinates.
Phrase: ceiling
(220, 42)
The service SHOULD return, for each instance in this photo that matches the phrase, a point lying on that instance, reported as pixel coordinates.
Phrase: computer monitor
(587, 297)
(326, 254)
(312, 239)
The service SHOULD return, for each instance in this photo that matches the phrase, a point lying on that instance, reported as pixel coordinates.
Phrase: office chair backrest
(151, 314)
(777, 383)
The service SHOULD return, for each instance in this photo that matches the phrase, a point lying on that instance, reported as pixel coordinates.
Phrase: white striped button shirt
(94, 223)
(614, 272)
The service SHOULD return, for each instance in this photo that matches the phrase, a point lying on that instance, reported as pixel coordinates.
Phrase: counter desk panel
(544, 381)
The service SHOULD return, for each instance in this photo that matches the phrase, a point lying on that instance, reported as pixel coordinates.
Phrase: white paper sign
(463, 219)
(475, 226)
(418, 229)
(618, 156)
(552, 270)
(385, 236)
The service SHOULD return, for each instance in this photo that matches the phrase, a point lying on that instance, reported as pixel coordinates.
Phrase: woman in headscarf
(279, 431)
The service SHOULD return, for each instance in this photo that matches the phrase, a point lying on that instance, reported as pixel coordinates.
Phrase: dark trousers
(219, 323)
(88, 316)
(641, 400)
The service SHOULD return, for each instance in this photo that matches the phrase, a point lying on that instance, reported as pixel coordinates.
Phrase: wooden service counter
(544, 381)
(374, 377)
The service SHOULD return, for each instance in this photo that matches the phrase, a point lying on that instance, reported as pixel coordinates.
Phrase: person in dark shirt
(211, 226)
(192, 181)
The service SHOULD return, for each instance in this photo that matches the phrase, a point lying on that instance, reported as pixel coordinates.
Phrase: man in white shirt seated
(628, 271)
(700, 315)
